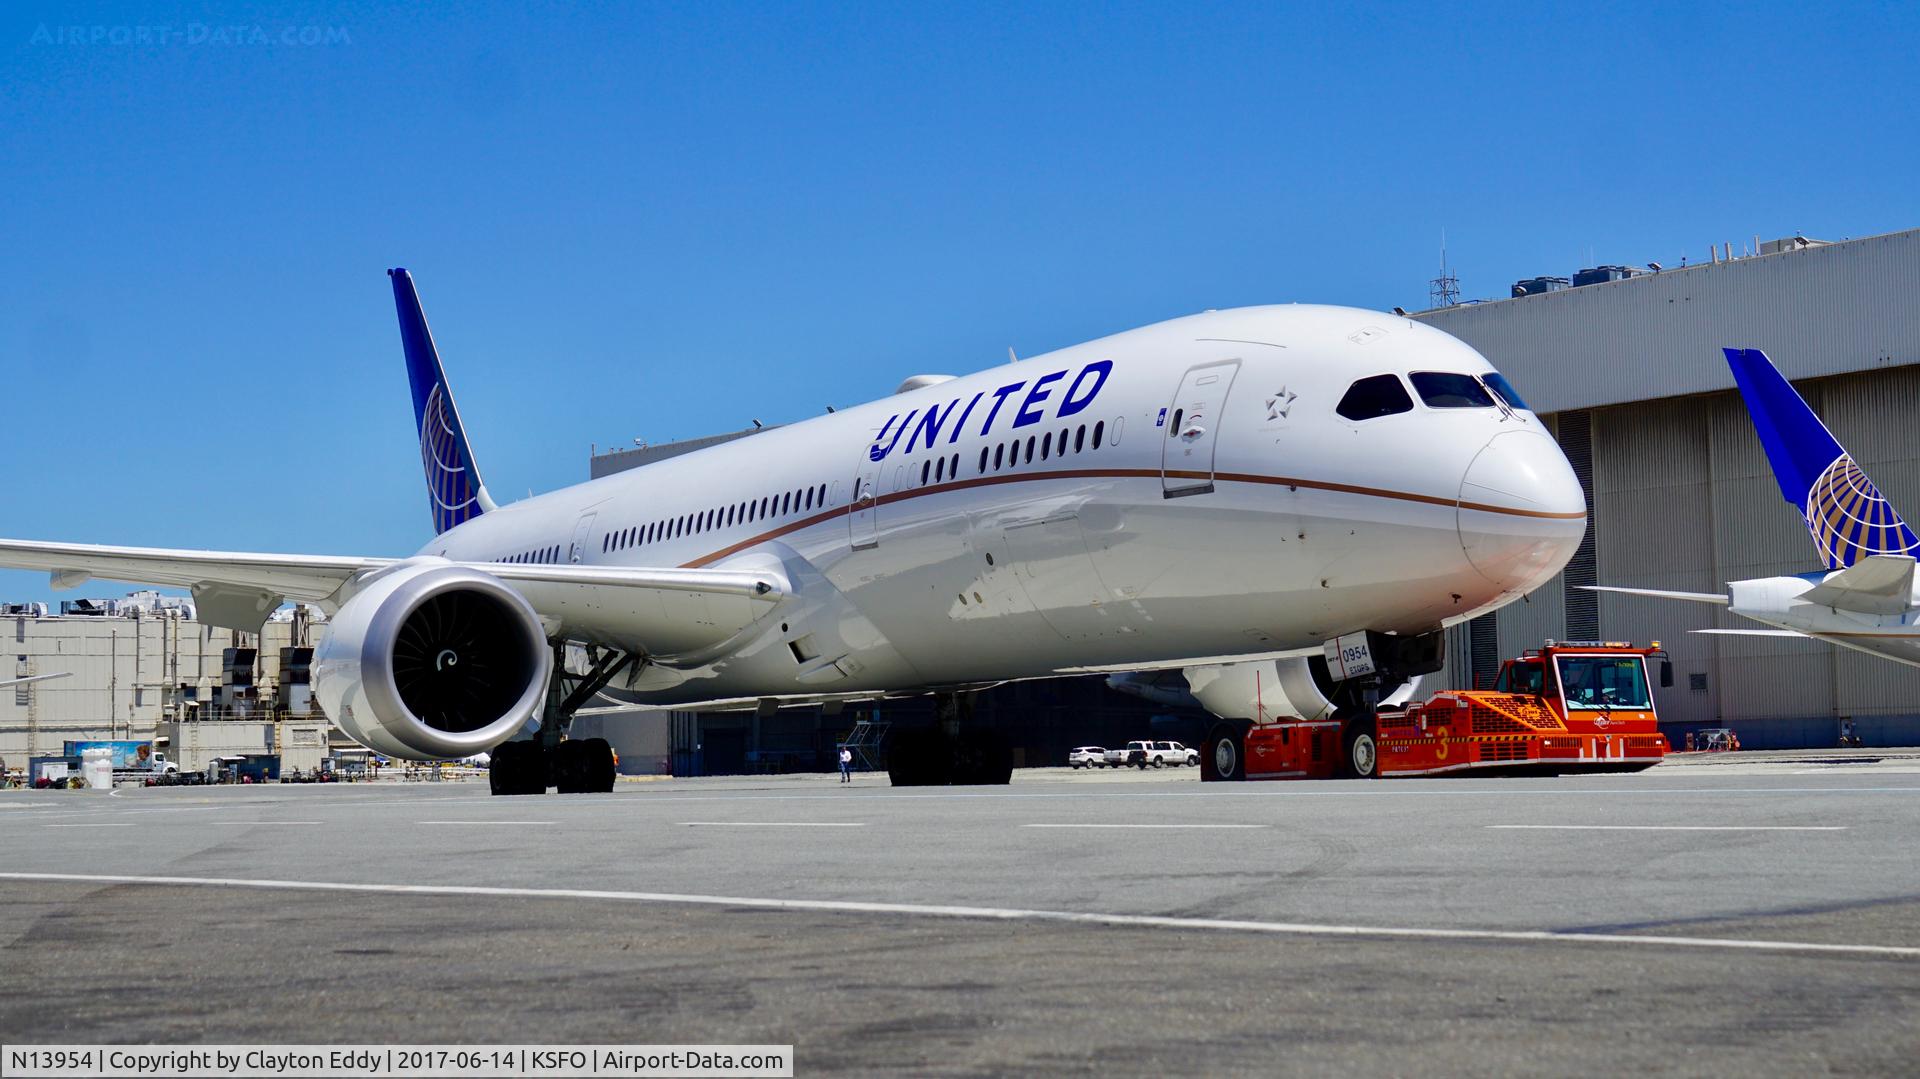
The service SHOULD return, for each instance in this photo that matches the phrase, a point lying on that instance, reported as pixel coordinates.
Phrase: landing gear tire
(1361, 747)
(918, 759)
(600, 768)
(518, 768)
(570, 764)
(981, 758)
(1224, 757)
(933, 759)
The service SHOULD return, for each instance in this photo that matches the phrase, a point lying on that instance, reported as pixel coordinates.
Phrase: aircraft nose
(1522, 513)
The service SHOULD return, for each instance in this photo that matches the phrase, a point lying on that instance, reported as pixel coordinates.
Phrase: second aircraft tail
(1846, 515)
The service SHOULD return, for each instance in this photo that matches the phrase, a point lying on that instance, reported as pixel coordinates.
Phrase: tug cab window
(1520, 677)
(1377, 395)
(1603, 683)
(1442, 390)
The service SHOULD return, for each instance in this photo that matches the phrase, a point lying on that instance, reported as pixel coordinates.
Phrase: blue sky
(660, 221)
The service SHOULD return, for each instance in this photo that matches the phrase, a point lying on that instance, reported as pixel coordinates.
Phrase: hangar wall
(1680, 493)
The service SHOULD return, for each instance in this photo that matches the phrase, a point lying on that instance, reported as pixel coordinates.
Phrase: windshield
(1498, 383)
(1602, 682)
(1441, 390)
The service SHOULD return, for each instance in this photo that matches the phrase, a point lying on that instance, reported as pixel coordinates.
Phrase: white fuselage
(1227, 510)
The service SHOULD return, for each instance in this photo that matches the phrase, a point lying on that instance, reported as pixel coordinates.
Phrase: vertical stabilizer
(455, 491)
(1846, 515)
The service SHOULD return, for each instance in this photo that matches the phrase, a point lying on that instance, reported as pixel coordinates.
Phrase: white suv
(1087, 757)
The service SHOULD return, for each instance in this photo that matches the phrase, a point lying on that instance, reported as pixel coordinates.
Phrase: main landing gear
(953, 752)
(550, 758)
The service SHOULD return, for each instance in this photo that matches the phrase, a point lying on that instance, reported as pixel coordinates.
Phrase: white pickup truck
(1142, 753)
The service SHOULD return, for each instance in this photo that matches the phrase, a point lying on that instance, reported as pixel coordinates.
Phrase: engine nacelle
(432, 661)
(1260, 690)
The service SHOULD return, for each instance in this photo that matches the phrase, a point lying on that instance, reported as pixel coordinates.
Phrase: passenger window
(1442, 390)
(940, 471)
(999, 456)
(983, 460)
(1503, 389)
(1173, 429)
(1080, 439)
(1099, 429)
(1045, 445)
(953, 469)
(1029, 449)
(1378, 395)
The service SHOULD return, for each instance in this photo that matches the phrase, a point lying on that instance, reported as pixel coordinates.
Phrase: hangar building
(1629, 374)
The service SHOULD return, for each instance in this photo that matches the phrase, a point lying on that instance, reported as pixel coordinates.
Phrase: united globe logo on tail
(1850, 520)
(1846, 514)
(450, 483)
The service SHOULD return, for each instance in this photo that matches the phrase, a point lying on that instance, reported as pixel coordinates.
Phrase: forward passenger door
(1193, 429)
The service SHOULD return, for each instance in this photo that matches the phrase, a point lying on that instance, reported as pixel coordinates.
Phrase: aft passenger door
(1193, 429)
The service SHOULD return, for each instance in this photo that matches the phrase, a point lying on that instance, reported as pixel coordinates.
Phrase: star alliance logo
(1280, 404)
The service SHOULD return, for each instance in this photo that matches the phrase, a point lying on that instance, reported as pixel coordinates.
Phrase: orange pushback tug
(1572, 706)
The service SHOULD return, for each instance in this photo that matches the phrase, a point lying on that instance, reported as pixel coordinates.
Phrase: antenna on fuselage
(1011, 358)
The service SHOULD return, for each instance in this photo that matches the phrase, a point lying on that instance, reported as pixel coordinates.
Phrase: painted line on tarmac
(771, 824)
(1323, 790)
(102, 824)
(1003, 914)
(1154, 826)
(1669, 827)
(486, 822)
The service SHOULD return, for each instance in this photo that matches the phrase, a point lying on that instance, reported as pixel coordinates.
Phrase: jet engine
(1260, 690)
(432, 661)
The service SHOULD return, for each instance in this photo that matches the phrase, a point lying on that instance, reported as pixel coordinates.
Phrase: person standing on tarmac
(846, 765)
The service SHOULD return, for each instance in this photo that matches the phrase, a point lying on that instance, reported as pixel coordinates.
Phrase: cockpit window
(1441, 390)
(1498, 383)
(1378, 395)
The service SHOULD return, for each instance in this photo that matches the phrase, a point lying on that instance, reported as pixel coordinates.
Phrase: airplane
(1230, 492)
(1865, 598)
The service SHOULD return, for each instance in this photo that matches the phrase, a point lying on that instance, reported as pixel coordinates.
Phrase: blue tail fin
(455, 491)
(1846, 515)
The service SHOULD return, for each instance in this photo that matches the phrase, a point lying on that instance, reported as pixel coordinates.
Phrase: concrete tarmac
(1759, 919)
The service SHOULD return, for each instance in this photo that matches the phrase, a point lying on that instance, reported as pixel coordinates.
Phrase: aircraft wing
(662, 610)
(34, 678)
(1661, 593)
(304, 577)
(1880, 584)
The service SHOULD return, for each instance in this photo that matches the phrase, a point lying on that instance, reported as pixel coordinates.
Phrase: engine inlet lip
(383, 630)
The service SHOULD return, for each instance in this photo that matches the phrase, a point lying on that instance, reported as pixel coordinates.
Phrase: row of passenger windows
(545, 554)
(692, 524)
(1385, 395)
(1006, 455)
